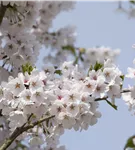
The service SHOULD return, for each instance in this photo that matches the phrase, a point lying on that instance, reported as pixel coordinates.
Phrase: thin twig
(28, 120)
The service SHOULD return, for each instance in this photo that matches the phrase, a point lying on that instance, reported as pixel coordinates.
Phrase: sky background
(98, 24)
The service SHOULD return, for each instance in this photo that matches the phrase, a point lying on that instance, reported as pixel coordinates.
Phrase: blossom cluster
(18, 48)
(66, 93)
(100, 54)
(85, 56)
(129, 97)
(23, 26)
(32, 20)
(56, 40)
(25, 30)
(72, 98)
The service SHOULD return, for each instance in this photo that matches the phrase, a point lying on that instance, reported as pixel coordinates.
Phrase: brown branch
(100, 99)
(18, 131)
(106, 97)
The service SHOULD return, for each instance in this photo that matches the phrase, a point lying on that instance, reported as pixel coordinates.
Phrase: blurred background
(103, 24)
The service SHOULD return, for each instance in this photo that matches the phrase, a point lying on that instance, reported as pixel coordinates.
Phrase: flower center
(17, 85)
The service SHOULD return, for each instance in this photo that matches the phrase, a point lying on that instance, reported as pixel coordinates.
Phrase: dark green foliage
(130, 143)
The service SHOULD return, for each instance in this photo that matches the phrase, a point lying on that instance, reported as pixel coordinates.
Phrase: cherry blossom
(37, 106)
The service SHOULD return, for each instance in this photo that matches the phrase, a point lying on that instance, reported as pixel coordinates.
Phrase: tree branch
(106, 97)
(18, 131)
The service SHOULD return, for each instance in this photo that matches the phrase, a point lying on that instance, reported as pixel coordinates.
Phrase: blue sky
(98, 24)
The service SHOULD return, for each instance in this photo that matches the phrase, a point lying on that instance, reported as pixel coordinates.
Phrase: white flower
(8, 94)
(67, 65)
(10, 48)
(129, 101)
(17, 118)
(72, 96)
(40, 110)
(133, 92)
(100, 87)
(17, 60)
(59, 129)
(85, 120)
(89, 86)
(131, 73)
(108, 63)
(57, 107)
(16, 86)
(6, 110)
(52, 140)
(39, 96)
(29, 108)
(35, 83)
(94, 118)
(84, 108)
(49, 69)
(24, 78)
(66, 120)
(26, 95)
(94, 75)
(109, 73)
(86, 97)
(4, 74)
(72, 109)
(114, 90)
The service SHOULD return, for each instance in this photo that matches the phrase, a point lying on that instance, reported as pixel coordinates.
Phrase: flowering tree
(37, 106)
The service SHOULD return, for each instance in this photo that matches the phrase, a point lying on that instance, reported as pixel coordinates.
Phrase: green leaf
(91, 68)
(98, 66)
(70, 48)
(130, 143)
(132, 1)
(59, 72)
(23, 69)
(112, 105)
(76, 60)
(122, 77)
(27, 68)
